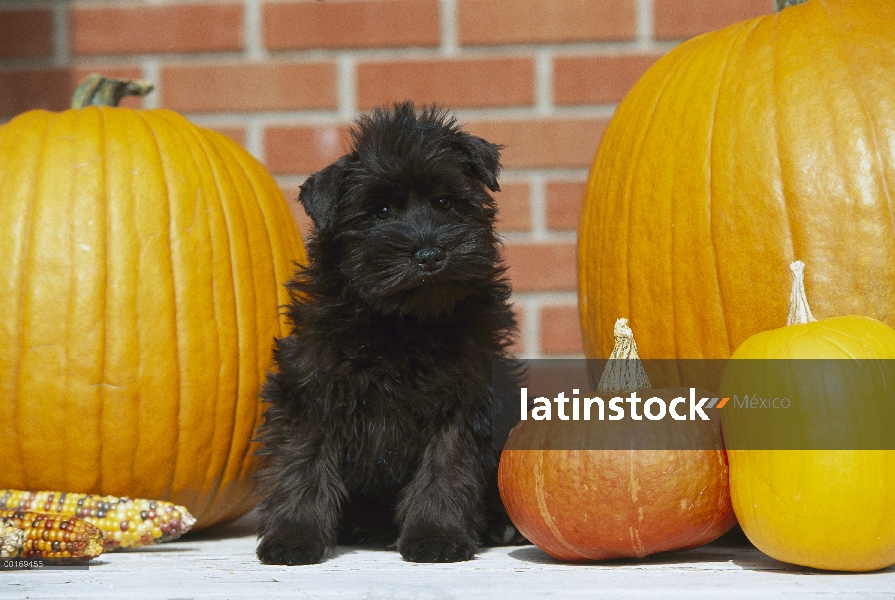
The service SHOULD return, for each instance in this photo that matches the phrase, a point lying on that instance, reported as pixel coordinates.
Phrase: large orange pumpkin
(769, 139)
(142, 267)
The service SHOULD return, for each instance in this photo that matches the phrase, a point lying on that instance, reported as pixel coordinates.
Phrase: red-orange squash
(142, 267)
(737, 152)
(587, 503)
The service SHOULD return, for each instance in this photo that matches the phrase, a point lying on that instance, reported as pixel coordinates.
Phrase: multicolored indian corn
(124, 522)
(50, 536)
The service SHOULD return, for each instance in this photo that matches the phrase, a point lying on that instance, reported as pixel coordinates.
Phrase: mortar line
(644, 14)
(346, 86)
(252, 31)
(544, 82)
(532, 343)
(448, 24)
(152, 71)
(61, 49)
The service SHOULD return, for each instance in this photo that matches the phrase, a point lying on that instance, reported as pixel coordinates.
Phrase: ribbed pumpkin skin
(143, 263)
(827, 509)
(581, 505)
(739, 151)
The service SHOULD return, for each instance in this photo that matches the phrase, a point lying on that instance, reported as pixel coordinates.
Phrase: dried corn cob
(55, 536)
(12, 539)
(125, 522)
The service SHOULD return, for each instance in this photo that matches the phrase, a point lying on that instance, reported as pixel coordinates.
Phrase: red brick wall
(284, 78)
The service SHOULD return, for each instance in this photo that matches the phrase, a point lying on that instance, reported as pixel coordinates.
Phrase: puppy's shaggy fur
(379, 418)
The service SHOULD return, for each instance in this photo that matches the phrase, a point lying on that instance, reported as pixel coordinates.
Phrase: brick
(560, 330)
(26, 33)
(564, 204)
(491, 22)
(156, 29)
(249, 87)
(513, 207)
(543, 143)
(351, 24)
(471, 83)
(541, 267)
(597, 79)
(304, 149)
(678, 19)
(49, 89)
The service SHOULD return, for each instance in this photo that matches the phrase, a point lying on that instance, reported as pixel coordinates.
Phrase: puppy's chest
(396, 390)
(394, 415)
(384, 445)
(383, 450)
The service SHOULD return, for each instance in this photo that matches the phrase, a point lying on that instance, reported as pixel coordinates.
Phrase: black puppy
(378, 423)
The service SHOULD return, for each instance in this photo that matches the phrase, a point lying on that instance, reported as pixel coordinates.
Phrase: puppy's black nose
(429, 258)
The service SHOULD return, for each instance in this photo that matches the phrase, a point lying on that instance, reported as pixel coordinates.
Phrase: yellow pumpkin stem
(799, 310)
(97, 90)
(624, 371)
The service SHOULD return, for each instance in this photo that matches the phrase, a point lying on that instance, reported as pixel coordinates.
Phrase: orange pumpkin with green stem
(143, 262)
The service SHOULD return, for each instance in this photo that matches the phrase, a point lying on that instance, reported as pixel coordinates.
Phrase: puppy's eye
(443, 203)
(383, 212)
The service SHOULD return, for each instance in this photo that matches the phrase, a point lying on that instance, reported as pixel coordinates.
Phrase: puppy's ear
(482, 157)
(320, 193)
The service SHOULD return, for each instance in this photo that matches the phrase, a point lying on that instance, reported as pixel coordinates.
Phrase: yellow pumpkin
(828, 509)
(143, 262)
(765, 140)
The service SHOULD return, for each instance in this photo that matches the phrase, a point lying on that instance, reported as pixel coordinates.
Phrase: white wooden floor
(221, 564)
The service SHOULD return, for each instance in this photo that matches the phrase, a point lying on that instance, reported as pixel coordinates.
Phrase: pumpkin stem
(781, 4)
(799, 311)
(624, 371)
(97, 90)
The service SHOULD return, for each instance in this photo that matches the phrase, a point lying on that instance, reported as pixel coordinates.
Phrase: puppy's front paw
(291, 545)
(430, 544)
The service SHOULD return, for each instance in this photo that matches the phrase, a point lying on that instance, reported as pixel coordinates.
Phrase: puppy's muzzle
(430, 258)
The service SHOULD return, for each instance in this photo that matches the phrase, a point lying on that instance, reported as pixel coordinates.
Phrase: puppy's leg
(440, 512)
(299, 517)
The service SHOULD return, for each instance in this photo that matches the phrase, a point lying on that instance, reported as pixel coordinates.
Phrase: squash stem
(97, 90)
(799, 310)
(624, 371)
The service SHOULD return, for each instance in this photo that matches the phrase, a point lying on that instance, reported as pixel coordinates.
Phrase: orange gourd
(142, 265)
(570, 488)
